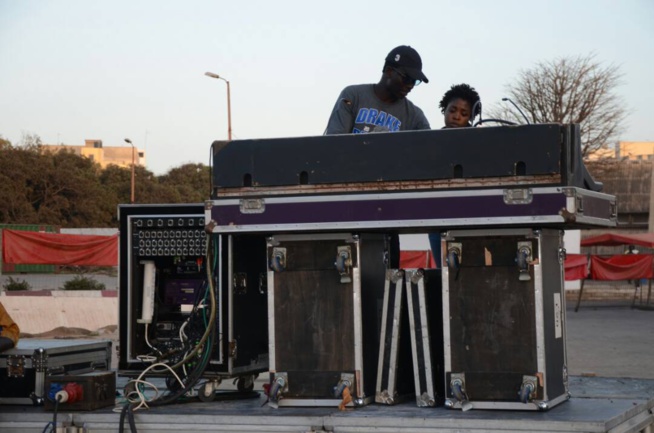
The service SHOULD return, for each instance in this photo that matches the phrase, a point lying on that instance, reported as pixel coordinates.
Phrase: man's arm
(341, 120)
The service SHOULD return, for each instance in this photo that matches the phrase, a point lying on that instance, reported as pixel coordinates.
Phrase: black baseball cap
(407, 60)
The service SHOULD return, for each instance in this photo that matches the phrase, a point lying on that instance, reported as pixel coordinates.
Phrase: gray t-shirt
(358, 110)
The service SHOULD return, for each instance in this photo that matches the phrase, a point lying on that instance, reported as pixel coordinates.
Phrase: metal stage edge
(615, 405)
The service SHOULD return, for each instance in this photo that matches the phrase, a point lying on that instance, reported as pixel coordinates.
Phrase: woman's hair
(461, 91)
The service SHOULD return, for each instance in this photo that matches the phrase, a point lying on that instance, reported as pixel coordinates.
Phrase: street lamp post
(127, 140)
(229, 106)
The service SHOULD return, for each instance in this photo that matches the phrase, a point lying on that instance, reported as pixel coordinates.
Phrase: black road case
(163, 248)
(324, 309)
(24, 369)
(504, 319)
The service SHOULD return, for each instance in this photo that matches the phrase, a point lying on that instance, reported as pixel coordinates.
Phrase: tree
(570, 90)
(60, 188)
(191, 181)
(14, 203)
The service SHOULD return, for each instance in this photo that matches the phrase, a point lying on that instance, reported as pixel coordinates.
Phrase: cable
(212, 318)
(137, 399)
(127, 412)
(501, 121)
(517, 108)
(474, 109)
(182, 335)
(54, 414)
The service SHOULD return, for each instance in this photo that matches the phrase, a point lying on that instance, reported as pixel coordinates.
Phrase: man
(382, 107)
(9, 331)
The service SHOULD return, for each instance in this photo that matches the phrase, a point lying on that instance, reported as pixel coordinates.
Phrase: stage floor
(598, 404)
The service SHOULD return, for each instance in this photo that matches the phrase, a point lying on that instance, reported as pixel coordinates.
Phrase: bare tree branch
(570, 90)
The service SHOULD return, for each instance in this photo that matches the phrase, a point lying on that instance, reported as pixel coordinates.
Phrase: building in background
(94, 150)
(626, 150)
(635, 150)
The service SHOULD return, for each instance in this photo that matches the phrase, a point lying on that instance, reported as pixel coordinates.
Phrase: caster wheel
(207, 393)
(245, 383)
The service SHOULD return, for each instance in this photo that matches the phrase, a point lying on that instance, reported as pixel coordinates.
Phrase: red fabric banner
(612, 239)
(416, 259)
(32, 248)
(622, 267)
(576, 267)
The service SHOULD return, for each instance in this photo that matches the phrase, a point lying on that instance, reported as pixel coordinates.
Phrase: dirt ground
(606, 340)
(66, 333)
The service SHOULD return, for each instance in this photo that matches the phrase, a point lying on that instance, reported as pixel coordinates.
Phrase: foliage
(570, 90)
(83, 283)
(15, 285)
(190, 181)
(67, 190)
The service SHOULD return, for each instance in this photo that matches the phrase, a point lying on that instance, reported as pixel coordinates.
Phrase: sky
(72, 70)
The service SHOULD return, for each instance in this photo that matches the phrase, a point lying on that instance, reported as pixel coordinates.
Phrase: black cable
(206, 344)
(130, 419)
(121, 420)
(502, 121)
(192, 378)
(517, 108)
(54, 414)
(127, 411)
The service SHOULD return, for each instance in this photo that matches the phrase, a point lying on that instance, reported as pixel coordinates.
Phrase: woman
(459, 106)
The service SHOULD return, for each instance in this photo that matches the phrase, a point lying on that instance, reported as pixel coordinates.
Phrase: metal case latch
(240, 283)
(454, 253)
(277, 260)
(252, 205)
(518, 196)
(523, 259)
(15, 366)
(344, 263)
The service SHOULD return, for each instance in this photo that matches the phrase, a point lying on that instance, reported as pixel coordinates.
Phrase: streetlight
(127, 140)
(229, 107)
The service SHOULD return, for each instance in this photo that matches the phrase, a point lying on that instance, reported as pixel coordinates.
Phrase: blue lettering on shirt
(361, 115)
(371, 116)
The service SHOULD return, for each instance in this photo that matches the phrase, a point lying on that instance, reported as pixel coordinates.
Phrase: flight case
(324, 309)
(424, 299)
(24, 369)
(394, 368)
(504, 319)
(164, 246)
